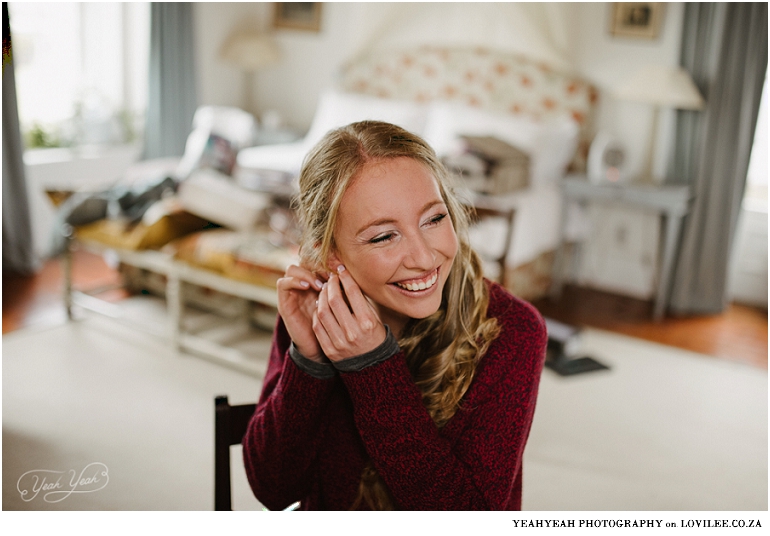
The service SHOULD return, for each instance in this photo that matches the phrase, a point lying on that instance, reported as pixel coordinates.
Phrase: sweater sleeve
(281, 441)
(475, 469)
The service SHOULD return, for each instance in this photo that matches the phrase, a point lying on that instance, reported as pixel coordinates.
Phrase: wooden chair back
(230, 424)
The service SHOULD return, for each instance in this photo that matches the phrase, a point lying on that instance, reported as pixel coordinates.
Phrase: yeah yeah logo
(55, 486)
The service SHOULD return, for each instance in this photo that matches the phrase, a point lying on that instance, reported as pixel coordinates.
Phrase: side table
(671, 202)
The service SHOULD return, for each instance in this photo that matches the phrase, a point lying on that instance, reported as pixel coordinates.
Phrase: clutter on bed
(490, 166)
(273, 181)
(219, 132)
(250, 256)
(219, 199)
(162, 223)
(137, 214)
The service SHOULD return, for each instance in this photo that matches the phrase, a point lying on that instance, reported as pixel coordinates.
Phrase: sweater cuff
(387, 349)
(321, 371)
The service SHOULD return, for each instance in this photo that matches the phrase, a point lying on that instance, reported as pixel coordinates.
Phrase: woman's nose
(419, 255)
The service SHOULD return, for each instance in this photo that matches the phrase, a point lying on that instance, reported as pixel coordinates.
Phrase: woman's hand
(346, 331)
(298, 294)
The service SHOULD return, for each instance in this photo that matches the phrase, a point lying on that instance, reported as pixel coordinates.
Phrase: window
(81, 71)
(755, 197)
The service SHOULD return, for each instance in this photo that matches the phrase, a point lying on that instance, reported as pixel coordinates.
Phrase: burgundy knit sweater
(310, 438)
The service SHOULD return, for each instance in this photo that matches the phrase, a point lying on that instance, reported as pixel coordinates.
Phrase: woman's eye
(381, 238)
(436, 219)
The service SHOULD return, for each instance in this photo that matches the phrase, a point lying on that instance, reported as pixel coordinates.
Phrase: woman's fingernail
(319, 283)
(340, 268)
(304, 284)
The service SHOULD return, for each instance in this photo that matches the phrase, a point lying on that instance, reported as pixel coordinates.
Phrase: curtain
(18, 250)
(724, 47)
(173, 97)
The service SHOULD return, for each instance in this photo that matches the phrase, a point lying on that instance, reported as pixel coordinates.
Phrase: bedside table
(671, 202)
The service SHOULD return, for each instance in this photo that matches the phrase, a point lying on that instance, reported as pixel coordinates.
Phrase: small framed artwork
(636, 19)
(297, 16)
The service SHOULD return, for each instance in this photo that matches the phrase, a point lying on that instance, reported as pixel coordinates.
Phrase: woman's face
(396, 238)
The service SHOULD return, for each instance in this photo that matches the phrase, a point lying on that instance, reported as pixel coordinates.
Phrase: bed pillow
(336, 109)
(550, 144)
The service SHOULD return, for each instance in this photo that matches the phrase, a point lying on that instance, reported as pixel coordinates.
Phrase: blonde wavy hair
(442, 350)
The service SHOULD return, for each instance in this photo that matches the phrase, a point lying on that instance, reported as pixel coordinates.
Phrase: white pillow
(281, 157)
(551, 145)
(337, 109)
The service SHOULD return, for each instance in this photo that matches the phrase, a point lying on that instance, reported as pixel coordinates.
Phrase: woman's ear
(332, 261)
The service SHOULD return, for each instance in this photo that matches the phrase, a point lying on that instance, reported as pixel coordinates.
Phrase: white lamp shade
(250, 51)
(670, 87)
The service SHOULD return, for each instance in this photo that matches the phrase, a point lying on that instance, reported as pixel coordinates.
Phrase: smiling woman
(399, 377)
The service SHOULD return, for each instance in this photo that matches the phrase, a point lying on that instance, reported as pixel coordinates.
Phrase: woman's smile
(417, 285)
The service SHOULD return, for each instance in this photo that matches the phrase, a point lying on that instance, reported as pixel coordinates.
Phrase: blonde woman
(399, 378)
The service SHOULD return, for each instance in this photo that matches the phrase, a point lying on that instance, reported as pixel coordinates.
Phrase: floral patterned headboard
(492, 80)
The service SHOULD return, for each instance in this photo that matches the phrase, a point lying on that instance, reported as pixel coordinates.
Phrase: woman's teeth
(422, 285)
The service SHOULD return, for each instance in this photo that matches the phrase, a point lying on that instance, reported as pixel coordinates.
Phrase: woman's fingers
(341, 332)
(303, 278)
(359, 305)
(331, 315)
(291, 283)
(322, 335)
(297, 294)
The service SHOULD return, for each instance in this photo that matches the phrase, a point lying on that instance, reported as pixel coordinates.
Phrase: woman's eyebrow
(385, 221)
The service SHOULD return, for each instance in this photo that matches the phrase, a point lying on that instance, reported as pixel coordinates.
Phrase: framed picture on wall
(297, 15)
(636, 19)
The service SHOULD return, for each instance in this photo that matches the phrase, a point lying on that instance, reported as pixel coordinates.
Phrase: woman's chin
(417, 309)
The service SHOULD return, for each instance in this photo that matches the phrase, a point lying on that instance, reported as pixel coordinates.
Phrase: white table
(671, 202)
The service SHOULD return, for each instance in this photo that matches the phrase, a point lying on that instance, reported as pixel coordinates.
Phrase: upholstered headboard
(483, 78)
(478, 77)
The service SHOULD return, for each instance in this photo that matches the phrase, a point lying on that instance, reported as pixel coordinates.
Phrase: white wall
(309, 60)
(607, 61)
(312, 59)
(219, 83)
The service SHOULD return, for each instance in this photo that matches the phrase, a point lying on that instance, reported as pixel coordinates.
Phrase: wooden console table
(178, 274)
(671, 202)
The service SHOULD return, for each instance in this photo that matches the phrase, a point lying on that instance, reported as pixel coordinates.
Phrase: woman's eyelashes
(381, 238)
(388, 236)
(437, 218)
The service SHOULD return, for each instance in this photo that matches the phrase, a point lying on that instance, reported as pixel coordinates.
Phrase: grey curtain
(724, 47)
(173, 98)
(18, 249)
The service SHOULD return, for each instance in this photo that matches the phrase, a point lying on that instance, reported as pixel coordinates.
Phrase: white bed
(442, 93)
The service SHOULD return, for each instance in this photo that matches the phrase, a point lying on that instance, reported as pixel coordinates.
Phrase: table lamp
(661, 86)
(249, 51)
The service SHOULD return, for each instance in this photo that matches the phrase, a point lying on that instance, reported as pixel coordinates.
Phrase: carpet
(662, 429)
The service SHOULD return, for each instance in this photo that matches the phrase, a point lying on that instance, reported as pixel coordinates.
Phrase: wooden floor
(38, 300)
(739, 334)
